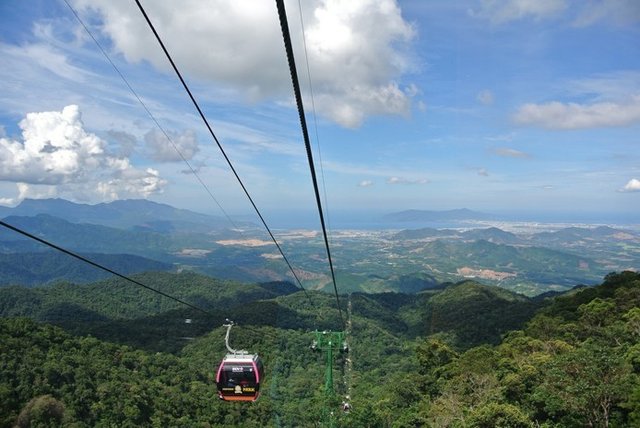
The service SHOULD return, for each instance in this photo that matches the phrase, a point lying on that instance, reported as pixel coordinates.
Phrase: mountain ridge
(47, 267)
(498, 356)
(123, 214)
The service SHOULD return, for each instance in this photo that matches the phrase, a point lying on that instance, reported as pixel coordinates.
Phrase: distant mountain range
(83, 237)
(564, 236)
(125, 214)
(448, 215)
(491, 234)
(127, 236)
(168, 239)
(575, 234)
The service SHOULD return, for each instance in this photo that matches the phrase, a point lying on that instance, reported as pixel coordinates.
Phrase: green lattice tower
(329, 342)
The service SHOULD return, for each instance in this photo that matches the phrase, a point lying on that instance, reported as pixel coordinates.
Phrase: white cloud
(483, 172)
(580, 13)
(485, 97)
(502, 11)
(357, 49)
(511, 153)
(254, 140)
(58, 157)
(402, 180)
(558, 115)
(35, 192)
(184, 145)
(620, 12)
(48, 58)
(126, 181)
(365, 183)
(604, 87)
(386, 172)
(30, 191)
(632, 186)
(32, 86)
(126, 142)
(501, 138)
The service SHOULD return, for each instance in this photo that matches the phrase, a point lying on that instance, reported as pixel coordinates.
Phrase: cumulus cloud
(558, 115)
(502, 11)
(402, 180)
(365, 183)
(178, 146)
(485, 97)
(511, 153)
(126, 142)
(632, 186)
(58, 157)
(357, 49)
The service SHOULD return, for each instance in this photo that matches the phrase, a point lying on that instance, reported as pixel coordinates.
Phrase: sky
(512, 106)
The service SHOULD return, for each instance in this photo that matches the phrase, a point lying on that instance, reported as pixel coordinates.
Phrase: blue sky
(528, 106)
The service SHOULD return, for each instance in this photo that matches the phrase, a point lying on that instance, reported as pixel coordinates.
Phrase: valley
(531, 263)
(475, 323)
(530, 258)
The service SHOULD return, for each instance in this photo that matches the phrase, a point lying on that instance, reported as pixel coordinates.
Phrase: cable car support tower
(329, 342)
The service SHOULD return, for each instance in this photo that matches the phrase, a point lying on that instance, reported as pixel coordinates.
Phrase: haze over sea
(376, 220)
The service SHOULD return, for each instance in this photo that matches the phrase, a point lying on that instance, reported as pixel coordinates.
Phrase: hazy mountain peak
(123, 214)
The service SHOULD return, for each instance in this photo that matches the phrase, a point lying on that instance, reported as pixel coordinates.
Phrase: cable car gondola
(239, 377)
(239, 374)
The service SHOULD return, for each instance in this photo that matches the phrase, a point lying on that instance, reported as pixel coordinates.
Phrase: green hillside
(473, 314)
(465, 355)
(534, 264)
(49, 267)
(93, 238)
(116, 298)
(576, 363)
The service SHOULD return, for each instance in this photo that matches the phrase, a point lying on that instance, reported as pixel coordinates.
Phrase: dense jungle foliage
(464, 355)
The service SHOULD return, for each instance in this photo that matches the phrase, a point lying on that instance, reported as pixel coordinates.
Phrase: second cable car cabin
(239, 374)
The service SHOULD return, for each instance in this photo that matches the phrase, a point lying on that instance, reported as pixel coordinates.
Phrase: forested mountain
(94, 238)
(122, 214)
(575, 363)
(466, 355)
(492, 234)
(571, 235)
(48, 267)
(450, 354)
(116, 298)
(533, 263)
(473, 314)
(369, 261)
(565, 236)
